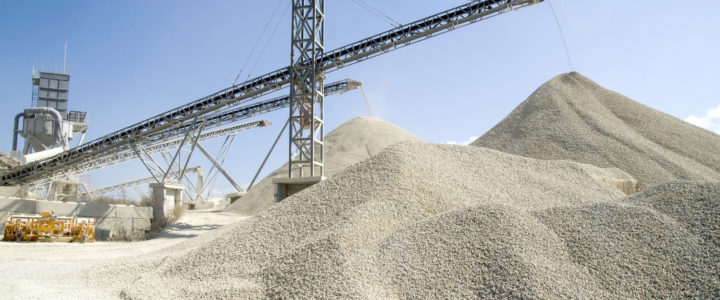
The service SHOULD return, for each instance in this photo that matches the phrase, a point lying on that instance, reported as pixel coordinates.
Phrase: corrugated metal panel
(53, 91)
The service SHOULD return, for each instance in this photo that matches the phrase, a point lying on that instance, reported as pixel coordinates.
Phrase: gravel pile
(353, 141)
(417, 219)
(420, 220)
(571, 117)
(661, 243)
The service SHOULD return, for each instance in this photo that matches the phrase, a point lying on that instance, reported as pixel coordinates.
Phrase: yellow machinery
(49, 227)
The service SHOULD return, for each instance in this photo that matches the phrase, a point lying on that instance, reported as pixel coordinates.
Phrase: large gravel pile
(419, 220)
(353, 141)
(571, 117)
(660, 243)
(441, 221)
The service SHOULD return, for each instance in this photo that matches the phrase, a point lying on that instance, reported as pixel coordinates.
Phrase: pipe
(33, 157)
(82, 137)
(58, 122)
(16, 130)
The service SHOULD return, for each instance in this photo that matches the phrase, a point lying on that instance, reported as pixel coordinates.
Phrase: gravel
(571, 117)
(662, 243)
(352, 142)
(419, 220)
(344, 237)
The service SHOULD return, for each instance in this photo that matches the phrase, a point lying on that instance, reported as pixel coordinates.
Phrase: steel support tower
(306, 89)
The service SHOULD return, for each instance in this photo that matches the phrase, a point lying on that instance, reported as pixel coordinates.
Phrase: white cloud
(699, 122)
(711, 120)
(465, 142)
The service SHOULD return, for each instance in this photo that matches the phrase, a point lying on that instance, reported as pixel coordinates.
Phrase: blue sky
(130, 60)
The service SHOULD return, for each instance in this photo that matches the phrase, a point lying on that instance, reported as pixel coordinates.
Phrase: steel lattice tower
(306, 89)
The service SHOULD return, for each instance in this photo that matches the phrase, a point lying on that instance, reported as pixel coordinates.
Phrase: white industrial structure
(47, 129)
(47, 126)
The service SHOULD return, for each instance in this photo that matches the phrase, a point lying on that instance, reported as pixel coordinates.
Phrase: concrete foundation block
(165, 196)
(17, 205)
(235, 196)
(134, 212)
(10, 191)
(286, 187)
(121, 229)
(114, 228)
(112, 222)
(141, 225)
(124, 225)
(60, 208)
(105, 223)
(3, 214)
(95, 210)
(105, 229)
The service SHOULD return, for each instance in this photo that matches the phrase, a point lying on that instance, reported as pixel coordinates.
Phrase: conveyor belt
(408, 34)
(162, 139)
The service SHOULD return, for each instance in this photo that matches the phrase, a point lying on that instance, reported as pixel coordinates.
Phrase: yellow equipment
(48, 227)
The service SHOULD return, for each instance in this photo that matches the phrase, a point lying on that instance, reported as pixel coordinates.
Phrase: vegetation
(144, 201)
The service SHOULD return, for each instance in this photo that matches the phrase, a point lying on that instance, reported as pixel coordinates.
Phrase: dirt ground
(49, 270)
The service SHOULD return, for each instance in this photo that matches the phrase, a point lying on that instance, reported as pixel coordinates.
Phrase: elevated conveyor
(167, 139)
(197, 110)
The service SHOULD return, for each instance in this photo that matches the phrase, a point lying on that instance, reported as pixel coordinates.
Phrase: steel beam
(220, 168)
(136, 182)
(268, 154)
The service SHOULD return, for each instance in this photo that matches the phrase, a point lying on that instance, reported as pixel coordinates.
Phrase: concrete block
(134, 212)
(105, 223)
(123, 225)
(95, 210)
(102, 234)
(61, 208)
(3, 214)
(17, 205)
(113, 228)
(9, 191)
(14, 205)
(235, 196)
(286, 187)
(165, 196)
(141, 225)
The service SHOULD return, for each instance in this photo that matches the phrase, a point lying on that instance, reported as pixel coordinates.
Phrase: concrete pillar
(286, 187)
(200, 184)
(165, 196)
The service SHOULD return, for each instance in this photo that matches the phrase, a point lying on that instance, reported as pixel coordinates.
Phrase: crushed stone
(572, 117)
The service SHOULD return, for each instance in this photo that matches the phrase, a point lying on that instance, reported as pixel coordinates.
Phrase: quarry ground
(50, 270)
